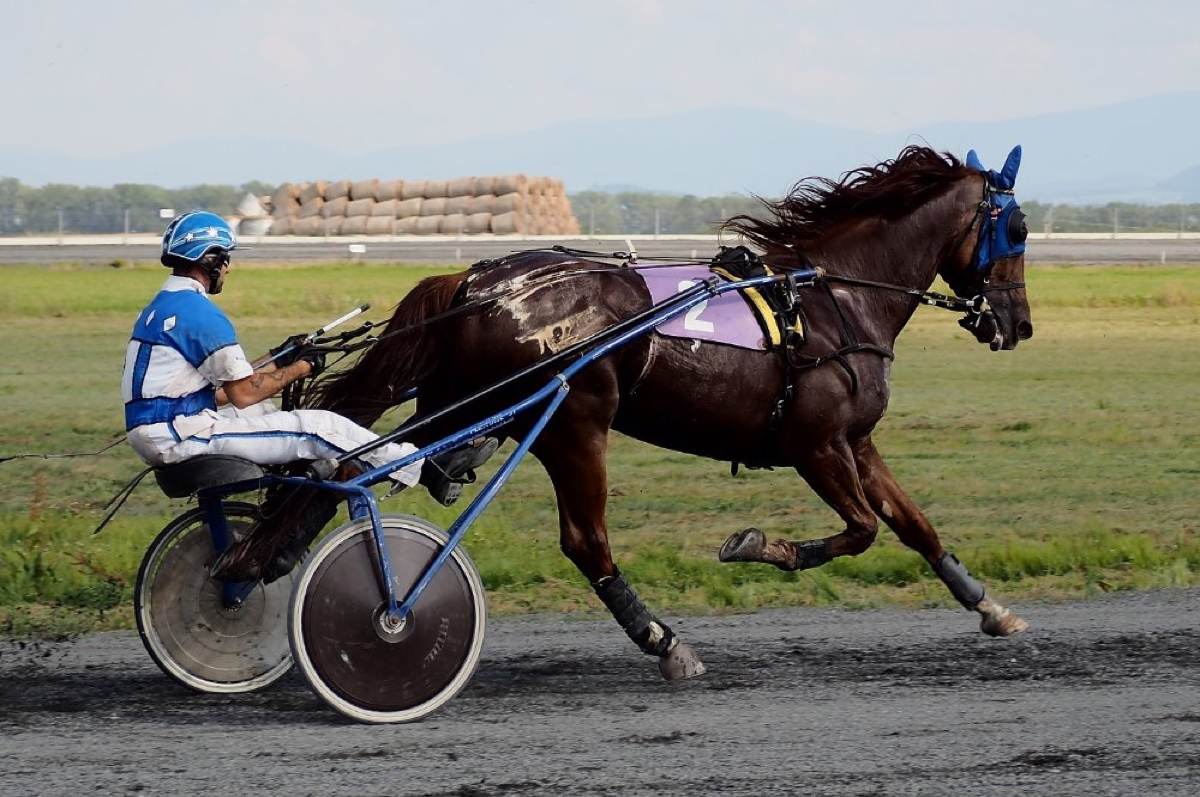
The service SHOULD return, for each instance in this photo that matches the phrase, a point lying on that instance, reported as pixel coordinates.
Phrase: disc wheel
(183, 620)
(340, 637)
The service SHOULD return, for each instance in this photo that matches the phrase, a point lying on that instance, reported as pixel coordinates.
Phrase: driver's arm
(261, 384)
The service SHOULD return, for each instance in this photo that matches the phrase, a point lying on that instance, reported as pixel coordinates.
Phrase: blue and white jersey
(182, 348)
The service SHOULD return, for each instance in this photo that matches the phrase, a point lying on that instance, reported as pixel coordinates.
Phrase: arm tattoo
(277, 379)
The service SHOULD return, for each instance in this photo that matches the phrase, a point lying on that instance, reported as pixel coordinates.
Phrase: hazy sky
(106, 78)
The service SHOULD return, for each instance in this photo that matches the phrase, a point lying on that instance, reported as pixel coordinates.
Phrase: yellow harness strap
(766, 316)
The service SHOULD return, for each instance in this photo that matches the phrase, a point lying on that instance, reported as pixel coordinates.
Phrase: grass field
(1067, 467)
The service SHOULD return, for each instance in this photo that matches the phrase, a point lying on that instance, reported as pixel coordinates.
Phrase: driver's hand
(292, 349)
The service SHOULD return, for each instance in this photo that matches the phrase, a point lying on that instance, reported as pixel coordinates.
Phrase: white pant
(268, 438)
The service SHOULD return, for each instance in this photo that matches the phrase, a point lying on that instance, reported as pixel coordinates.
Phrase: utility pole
(125, 240)
(1182, 218)
(656, 225)
(592, 221)
(1116, 220)
(60, 226)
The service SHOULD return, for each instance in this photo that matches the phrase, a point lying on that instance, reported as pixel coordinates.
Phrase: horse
(882, 228)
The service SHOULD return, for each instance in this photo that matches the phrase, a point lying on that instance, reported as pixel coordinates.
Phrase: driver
(183, 362)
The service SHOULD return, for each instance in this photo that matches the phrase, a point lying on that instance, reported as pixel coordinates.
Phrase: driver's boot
(445, 474)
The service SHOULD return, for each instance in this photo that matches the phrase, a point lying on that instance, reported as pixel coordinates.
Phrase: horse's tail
(397, 362)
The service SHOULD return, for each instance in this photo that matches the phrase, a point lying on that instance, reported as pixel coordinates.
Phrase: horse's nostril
(1024, 330)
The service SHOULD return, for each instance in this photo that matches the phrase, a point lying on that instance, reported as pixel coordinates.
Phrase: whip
(311, 336)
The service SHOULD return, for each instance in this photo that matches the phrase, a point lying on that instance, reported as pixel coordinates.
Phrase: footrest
(185, 478)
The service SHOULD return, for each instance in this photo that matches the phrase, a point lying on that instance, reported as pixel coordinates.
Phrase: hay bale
(364, 189)
(388, 189)
(435, 206)
(337, 189)
(409, 207)
(249, 207)
(485, 185)
(285, 201)
(360, 207)
(428, 225)
(355, 225)
(510, 184)
(537, 186)
(282, 226)
(385, 208)
(333, 225)
(312, 208)
(380, 225)
(460, 186)
(335, 207)
(479, 222)
(254, 227)
(407, 225)
(505, 223)
(310, 225)
(458, 204)
(314, 190)
(435, 188)
(452, 224)
(412, 189)
(481, 204)
(508, 203)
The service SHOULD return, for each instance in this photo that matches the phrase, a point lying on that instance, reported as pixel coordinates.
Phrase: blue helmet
(193, 235)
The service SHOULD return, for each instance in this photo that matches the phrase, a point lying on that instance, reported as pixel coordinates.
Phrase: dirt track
(1099, 698)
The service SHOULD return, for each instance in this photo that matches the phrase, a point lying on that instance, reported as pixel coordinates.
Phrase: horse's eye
(1017, 231)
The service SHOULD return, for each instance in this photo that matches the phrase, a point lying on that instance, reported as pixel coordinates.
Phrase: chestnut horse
(903, 222)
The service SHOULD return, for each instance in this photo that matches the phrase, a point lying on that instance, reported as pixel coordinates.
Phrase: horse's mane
(816, 205)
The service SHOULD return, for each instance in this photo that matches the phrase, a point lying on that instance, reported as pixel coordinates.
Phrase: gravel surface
(1099, 698)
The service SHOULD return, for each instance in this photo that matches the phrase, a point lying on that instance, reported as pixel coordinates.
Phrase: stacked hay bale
(503, 205)
(250, 217)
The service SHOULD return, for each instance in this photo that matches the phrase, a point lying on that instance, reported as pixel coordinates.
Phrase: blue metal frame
(363, 503)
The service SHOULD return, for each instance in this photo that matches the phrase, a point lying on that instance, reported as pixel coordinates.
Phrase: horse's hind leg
(899, 511)
(572, 451)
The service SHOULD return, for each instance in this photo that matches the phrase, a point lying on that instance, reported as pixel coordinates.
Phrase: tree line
(29, 210)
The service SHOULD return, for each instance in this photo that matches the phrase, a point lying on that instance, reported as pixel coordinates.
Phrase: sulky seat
(184, 478)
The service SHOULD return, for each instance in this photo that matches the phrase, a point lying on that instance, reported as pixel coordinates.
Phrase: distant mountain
(1132, 151)
(1186, 184)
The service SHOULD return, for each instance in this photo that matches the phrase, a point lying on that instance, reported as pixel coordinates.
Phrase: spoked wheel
(343, 645)
(183, 620)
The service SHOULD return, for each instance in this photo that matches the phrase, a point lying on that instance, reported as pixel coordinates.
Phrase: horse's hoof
(998, 620)
(743, 546)
(680, 662)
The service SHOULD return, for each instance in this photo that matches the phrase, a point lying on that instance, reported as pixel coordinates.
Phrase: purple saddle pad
(724, 319)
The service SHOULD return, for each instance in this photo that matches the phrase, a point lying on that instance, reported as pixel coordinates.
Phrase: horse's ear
(1009, 173)
(973, 161)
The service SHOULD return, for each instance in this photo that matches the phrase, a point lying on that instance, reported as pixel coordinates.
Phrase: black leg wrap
(962, 585)
(650, 634)
(811, 553)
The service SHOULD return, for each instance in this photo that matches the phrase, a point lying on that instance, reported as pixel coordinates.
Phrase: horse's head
(988, 266)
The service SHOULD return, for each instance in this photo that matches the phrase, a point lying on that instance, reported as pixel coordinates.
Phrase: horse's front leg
(831, 472)
(573, 455)
(899, 511)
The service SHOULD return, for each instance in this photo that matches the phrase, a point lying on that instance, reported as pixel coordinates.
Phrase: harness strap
(117, 501)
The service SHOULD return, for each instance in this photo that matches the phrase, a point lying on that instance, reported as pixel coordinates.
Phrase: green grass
(1068, 467)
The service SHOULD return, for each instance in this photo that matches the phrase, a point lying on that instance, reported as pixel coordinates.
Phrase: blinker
(1002, 232)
